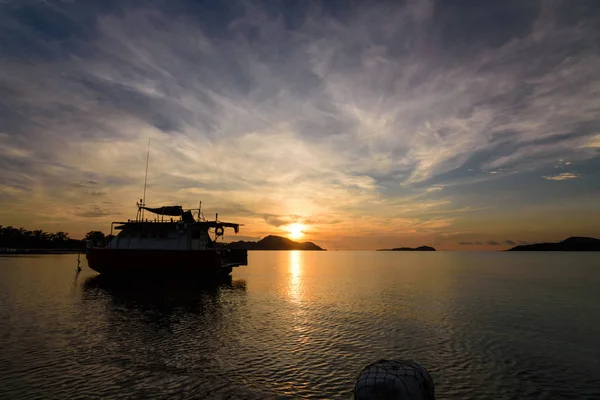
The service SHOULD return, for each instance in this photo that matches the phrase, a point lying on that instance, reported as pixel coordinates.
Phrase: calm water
(302, 324)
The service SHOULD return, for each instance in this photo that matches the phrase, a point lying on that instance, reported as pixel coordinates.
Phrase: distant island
(570, 244)
(422, 248)
(273, 242)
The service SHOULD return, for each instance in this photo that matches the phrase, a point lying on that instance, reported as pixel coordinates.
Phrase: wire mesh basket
(394, 379)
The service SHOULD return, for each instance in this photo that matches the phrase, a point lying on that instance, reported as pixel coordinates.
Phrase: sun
(296, 231)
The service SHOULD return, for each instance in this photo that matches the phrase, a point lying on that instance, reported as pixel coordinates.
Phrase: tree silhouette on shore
(21, 238)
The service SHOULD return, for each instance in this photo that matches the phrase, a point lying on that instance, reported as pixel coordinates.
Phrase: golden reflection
(296, 294)
(295, 282)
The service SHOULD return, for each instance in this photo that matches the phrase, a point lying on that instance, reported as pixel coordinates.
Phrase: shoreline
(40, 251)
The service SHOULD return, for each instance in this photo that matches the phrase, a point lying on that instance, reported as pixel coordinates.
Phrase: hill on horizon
(574, 243)
(420, 248)
(273, 242)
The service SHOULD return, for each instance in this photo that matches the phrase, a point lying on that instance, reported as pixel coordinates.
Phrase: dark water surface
(302, 324)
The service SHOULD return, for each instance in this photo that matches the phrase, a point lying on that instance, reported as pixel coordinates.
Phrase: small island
(273, 242)
(421, 248)
(570, 244)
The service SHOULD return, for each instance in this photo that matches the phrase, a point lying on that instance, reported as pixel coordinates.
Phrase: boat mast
(145, 179)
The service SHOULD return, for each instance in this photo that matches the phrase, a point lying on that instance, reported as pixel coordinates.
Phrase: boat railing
(89, 244)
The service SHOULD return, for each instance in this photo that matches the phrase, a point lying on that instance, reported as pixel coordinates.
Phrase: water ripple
(303, 325)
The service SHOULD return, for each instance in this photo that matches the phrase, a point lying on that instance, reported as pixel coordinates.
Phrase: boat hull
(157, 262)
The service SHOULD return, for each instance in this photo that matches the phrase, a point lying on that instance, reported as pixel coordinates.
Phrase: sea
(293, 324)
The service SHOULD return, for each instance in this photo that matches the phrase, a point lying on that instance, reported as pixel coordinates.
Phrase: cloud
(562, 164)
(562, 177)
(93, 212)
(277, 221)
(85, 184)
(489, 242)
(433, 189)
(594, 142)
(369, 114)
(510, 242)
(283, 220)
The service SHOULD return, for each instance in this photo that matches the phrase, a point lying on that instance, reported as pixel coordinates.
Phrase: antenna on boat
(146, 179)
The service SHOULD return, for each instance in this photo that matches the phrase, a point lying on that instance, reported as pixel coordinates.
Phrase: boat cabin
(180, 230)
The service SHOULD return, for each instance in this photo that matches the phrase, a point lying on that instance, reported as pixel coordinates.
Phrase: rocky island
(570, 244)
(421, 248)
(273, 242)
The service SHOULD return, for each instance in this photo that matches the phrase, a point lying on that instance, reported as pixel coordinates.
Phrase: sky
(465, 125)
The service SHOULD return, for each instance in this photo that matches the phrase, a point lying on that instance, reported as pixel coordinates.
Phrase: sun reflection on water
(295, 291)
(297, 295)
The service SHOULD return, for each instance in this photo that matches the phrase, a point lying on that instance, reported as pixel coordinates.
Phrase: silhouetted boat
(178, 245)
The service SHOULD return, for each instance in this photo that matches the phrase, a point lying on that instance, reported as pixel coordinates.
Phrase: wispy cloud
(594, 142)
(562, 177)
(367, 115)
(488, 243)
(92, 212)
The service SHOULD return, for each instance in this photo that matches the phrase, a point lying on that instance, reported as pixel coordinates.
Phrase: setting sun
(296, 231)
